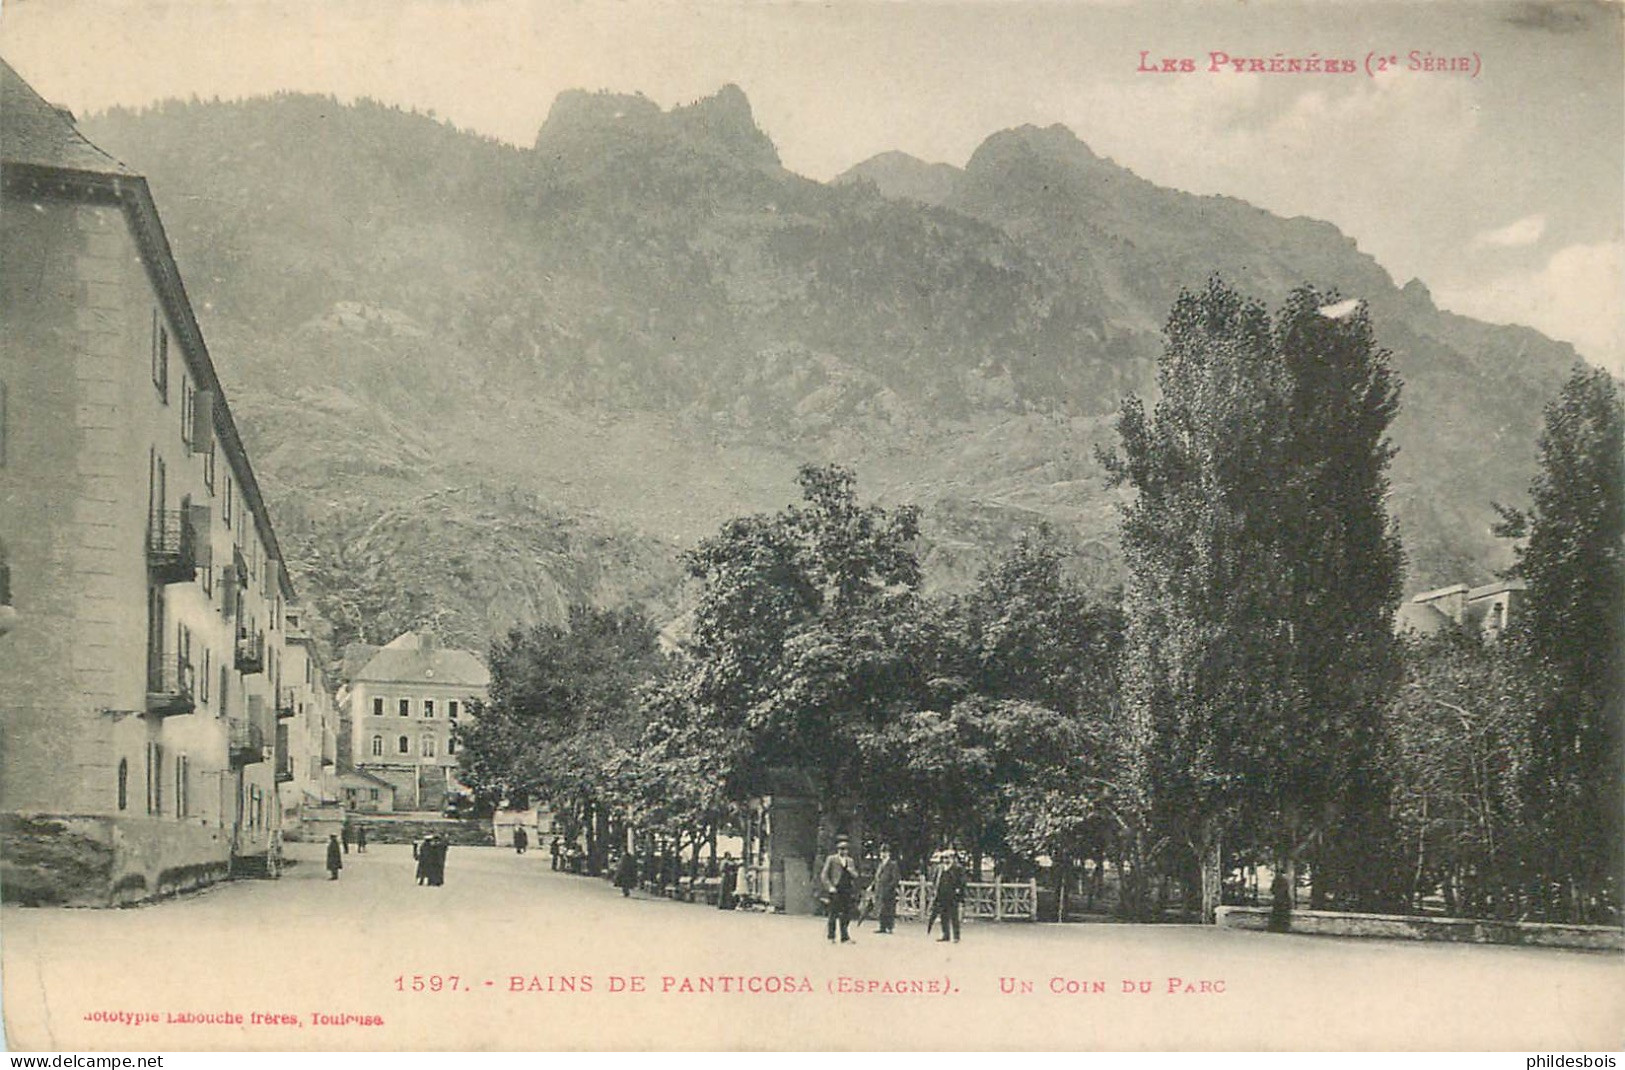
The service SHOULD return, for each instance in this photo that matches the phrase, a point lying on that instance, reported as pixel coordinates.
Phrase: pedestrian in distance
(626, 873)
(420, 852)
(436, 848)
(950, 894)
(361, 839)
(555, 854)
(344, 835)
(520, 839)
(335, 857)
(839, 879)
(888, 878)
(1280, 904)
(728, 883)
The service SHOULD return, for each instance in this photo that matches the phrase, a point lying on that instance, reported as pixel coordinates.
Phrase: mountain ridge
(646, 322)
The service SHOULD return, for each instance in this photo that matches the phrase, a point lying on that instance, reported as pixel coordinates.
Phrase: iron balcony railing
(286, 706)
(171, 686)
(250, 652)
(171, 547)
(245, 741)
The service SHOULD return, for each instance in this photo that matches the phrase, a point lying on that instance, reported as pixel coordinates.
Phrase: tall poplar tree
(1264, 574)
(1570, 635)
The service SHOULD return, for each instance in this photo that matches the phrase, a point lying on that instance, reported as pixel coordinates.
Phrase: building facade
(1484, 611)
(402, 701)
(140, 674)
(307, 732)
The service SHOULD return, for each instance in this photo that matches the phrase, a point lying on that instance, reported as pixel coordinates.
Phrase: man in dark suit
(950, 893)
(884, 887)
(839, 879)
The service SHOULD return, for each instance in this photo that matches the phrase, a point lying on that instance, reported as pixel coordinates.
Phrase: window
(208, 468)
(208, 672)
(428, 746)
(123, 783)
(404, 745)
(372, 793)
(182, 770)
(160, 357)
(155, 778)
(428, 707)
(226, 512)
(451, 709)
(406, 707)
(377, 746)
(451, 745)
(225, 679)
(188, 399)
(377, 707)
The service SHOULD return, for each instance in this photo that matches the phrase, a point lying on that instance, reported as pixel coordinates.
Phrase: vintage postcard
(731, 525)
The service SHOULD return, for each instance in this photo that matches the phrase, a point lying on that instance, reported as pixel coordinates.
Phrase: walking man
(950, 893)
(344, 833)
(335, 857)
(840, 880)
(520, 839)
(361, 839)
(884, 888)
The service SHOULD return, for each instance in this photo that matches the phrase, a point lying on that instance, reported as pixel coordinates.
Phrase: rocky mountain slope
(527, 376)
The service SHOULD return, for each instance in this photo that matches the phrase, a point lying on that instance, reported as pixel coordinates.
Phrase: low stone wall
(407, 828)
(1416, 927)
(95, 860)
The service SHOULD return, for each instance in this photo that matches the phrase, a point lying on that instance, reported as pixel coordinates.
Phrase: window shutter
(198, 517)
(203, 421)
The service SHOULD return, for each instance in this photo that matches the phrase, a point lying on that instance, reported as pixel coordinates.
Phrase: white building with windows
(403, 699)
(142, 664)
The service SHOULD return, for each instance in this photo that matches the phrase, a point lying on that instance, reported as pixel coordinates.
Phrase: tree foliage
(1264, 572)
(1569, 636)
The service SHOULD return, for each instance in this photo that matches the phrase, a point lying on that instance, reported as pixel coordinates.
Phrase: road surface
(550, 961)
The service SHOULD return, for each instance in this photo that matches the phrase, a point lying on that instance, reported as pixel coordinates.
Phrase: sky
(1501, 187)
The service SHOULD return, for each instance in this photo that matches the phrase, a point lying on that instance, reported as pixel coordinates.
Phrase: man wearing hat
(840, 881)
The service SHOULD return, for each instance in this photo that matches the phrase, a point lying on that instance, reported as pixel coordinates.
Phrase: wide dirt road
(547, 961)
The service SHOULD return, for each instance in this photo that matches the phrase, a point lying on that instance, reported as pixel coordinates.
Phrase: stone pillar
(794, 851)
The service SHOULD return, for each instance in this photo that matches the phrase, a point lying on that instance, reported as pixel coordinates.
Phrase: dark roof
(32, 131)
(406, 659)
(1420, 619)
(365, 777)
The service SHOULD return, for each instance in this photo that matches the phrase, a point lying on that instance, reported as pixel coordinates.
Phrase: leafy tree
(564, 709)
(1569, 635)
(796, 646)
(1264, 573)
(1460, 732)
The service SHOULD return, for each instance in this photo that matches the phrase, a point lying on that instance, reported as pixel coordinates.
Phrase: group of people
(430, 853)
(839, 880)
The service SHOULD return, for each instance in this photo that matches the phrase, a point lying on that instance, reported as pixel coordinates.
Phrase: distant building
(307, 730)
(1485, 610)
(144, 659)
(402, 700)
(364, 793)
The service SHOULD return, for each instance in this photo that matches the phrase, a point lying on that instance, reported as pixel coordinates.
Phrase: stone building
(140, 674)
(1484, 611)
(402, 700)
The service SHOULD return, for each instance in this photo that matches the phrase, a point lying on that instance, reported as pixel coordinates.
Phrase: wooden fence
(995, 901)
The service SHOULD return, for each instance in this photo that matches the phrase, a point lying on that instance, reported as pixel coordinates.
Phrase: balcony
(245, 742)
(286, 706)
(170, 687)
(250, 652)
(171, 547)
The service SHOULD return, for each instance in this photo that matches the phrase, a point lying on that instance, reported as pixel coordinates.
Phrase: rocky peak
(719, 125)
